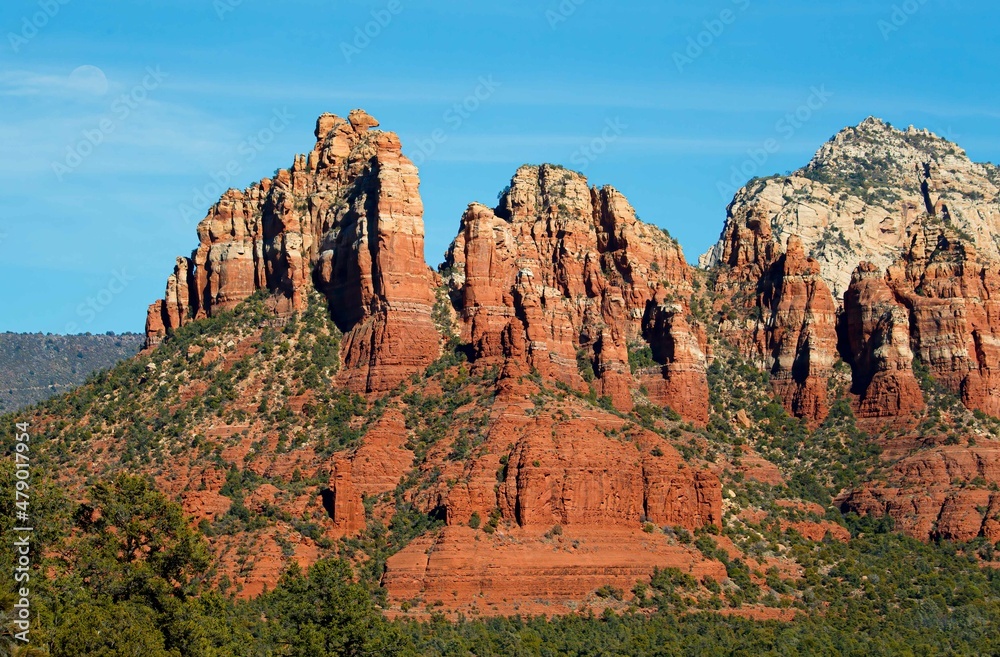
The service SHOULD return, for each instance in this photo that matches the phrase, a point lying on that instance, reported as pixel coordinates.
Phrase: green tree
(136, 543)
(325, 612)
(104, 629)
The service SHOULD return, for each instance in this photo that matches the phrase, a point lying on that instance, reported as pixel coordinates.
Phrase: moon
(89, 80)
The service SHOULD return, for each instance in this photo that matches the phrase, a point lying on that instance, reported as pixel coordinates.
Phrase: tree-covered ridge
(36, 366)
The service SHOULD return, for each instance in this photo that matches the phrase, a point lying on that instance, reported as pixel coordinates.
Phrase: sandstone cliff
(946, 492)
(798, 332)
(550, 293)
(952, 297)
(346, 219)
(859, 195)
(941, 300)
(872, 199)
(877, 335)
(561, 276)
(777, 309)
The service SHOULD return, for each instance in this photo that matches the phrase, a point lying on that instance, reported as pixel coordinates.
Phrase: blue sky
(116, 117)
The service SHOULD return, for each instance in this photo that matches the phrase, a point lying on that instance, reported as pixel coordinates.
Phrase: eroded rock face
(925, 213)
(679, 347)
(374, 467)
(228, 265)
(560, 276)
(173, 311)
(531, 570)
(783, 317)
(877, 331)
(857, 199)
(798, 330)
(952, 299)
(938, 302)
(346, 218)
(568, 473)
(573, 474)
(946, 298)
(939, 493)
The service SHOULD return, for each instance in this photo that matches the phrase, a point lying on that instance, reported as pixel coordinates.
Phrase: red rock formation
(877, 332)
(228, 263)
(568, 271)
(175, 309)
(348, 217)
(681, 349)
(345, 505)
(798, 332)
(940, 493)
(747, 246)
(382, 458)
(375, 466)
(941, 300)
(571, 465)
(953, 301)
(571, 473)
(504, 573)
(576, 484)
(785, 315)
(156, 329)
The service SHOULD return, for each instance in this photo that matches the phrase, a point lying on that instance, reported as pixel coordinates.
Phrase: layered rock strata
(561, 276)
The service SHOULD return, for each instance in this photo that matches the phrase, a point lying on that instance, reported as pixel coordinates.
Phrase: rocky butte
(552, 289)
(347, 220)
(547, 395)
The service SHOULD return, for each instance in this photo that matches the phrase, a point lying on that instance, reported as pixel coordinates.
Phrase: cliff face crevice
(877, 332)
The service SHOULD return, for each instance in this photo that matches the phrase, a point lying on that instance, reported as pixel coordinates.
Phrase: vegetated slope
(783, 550)
(878, 593)
(240, 419)
(36, 366)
